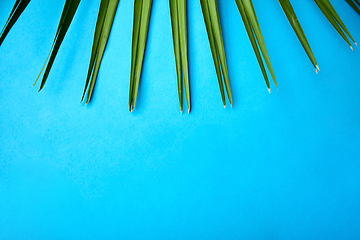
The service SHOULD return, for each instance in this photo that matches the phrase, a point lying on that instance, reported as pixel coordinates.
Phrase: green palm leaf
(16, 11)
(252, 27)
(104, 23)
(328, 10)
(213, 27)
(354, 4)
(142, 9)
(291, 16)
(65, 21)
(178, 23)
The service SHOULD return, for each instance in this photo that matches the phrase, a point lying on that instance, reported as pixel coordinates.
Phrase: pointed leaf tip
(103, 27)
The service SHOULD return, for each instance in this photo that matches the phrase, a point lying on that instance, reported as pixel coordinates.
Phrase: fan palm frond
(213, 28)
(142, 9)
(104, 23)
(67, 15)
(16, 11)
(179, 26)
(328, 10)
(291, 16)
(252, 27)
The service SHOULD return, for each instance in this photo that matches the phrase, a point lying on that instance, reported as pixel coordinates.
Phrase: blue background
(283, 165)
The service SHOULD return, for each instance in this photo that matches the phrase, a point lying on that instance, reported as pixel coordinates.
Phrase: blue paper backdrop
(283, 165)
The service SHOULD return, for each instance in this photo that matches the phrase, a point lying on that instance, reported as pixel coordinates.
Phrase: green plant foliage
(355, 4)
(178, 23)
(142, 9)
(213, 28)
(67, 15)
(18, 8)
(328, 10)
(102, 31)
(252, 27)
(291, 16)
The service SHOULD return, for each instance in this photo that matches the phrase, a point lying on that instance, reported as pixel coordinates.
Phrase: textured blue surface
(283, 165)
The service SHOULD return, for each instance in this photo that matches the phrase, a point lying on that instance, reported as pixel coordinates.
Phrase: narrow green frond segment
(214, 53)
(179, 26)
(213, 28)
(353, 5)
(337, 18)
(329, 12)
(252, 27)
(67, 15)
(253, 42)
(104, 23)
(291, 16)
(142, 9)
(16, 11)
(183, 48)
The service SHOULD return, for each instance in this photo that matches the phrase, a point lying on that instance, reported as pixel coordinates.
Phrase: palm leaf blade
(94, 50)
(353, 5)
(337, 18)
(102, 31)
(135, 40)
(183, 48)
(141, 24)
(333, 22)
(213, 28)
(214, 15)
(176, 41)
(250, 12)
(291, 16)
(253, 40)
(67, 15)
(16, 11)
(208, 24)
